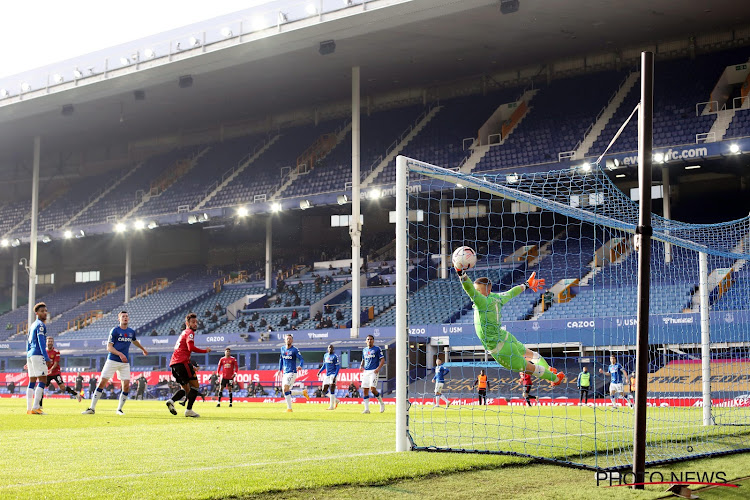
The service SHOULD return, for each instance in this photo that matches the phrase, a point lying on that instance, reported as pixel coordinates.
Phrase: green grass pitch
(259, 451)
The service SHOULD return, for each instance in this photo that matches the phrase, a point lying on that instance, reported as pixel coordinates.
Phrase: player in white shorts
(118, 346)
(619, 377)
(373, 360)
(288, 369)
(439, 379)
(36, 360)
(331, 366)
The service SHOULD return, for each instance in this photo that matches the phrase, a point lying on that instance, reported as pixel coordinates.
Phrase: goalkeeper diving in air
(500, 343)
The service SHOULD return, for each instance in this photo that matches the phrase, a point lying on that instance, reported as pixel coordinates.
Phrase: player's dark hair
(122, 312)
(373, 338)
(484, 280)
(39, 305)
(188, 318)
(227, 349)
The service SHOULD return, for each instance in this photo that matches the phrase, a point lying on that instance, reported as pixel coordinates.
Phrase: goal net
(575, 229)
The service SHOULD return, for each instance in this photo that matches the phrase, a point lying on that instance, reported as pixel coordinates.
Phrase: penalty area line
(194, 469)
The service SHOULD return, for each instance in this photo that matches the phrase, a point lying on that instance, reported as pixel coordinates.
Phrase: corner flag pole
(643, 231)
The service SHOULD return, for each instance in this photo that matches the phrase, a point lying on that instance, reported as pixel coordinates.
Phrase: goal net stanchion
(575, 229)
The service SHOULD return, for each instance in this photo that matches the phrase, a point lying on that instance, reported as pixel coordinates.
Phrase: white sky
(42, 32)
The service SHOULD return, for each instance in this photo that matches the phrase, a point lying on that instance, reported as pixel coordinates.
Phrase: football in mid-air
(464, 258)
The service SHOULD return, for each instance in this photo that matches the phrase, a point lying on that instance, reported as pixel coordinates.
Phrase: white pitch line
(195, 469)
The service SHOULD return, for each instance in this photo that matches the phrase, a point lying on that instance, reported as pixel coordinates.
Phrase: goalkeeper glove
(534, 283)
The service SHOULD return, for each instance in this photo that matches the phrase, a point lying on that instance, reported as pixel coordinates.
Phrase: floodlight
(77, 73)
(374, 194)
(68, 234)
(692, 167)
(4, 93)
(305, 204)
(194, 42)
(242, 212)
(4, 243)
(734, 149)
(459, 185)
(275, 206)
(120, 227)
(620, 175)
(58, 78)
(282, 17)
(192, 219)
(311, 9)
(149, 53)
(342, 199)
(226, 32)
(153, 224)
(586, 167)
(80, 234)
(139, 224)
(511, 178)
(659, 157)
(124, 61)
(25, 87)
(46, 238)
(15, 243)
(204, 217)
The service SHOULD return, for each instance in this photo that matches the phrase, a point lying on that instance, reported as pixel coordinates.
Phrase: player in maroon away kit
(526, 383)
(227, 370)
(54, 374)
(182, 371)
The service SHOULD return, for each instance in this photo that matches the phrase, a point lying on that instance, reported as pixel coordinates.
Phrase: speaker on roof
(327, 47)
(509, 6)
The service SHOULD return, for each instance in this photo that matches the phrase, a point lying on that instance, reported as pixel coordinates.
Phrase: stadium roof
(398, 43)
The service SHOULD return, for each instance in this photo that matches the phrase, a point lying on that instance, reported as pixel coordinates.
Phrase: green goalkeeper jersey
(487, 315)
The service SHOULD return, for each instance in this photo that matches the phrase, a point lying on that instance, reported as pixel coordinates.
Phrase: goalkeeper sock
(230, 398)
(123, 398)
(38, 393)
(95, 397)
(538, 360)
(366, 401)
(544, 373)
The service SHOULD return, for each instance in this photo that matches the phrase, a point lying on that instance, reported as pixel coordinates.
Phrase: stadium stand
(124, 198)
(378, 132)
(191, 187)
(264, 176)
(556, 121)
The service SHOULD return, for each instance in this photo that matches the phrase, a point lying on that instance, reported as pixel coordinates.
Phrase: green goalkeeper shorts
(510, 354)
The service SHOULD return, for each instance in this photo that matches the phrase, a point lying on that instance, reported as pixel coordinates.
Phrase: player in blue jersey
(616, 384)
(36, 360)
(288, 369)
(331, 366)
(439, 379)
(118, 346)
(373, 360)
